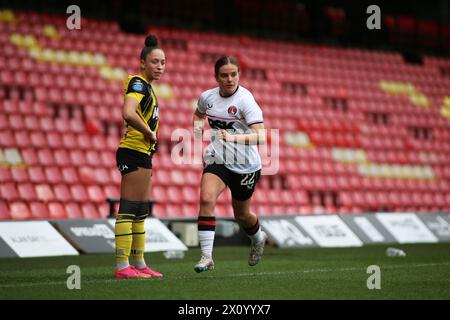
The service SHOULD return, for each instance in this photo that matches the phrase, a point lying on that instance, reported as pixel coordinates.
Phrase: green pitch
(283, 274)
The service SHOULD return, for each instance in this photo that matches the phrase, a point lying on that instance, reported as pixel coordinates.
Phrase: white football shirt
(235, 113)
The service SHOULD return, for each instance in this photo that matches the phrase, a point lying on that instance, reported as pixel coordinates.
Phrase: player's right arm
(198, 118)
(131, 117)
(198, 122)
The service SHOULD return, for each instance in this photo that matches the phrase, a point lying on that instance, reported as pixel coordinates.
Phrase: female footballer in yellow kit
(134, 161)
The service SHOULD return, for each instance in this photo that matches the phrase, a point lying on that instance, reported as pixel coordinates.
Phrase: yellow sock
(138, 245)
(124, 235)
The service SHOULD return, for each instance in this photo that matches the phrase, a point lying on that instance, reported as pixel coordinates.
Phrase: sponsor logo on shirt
(138, 86)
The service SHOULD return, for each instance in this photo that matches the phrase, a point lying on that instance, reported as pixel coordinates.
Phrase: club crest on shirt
(232, 110)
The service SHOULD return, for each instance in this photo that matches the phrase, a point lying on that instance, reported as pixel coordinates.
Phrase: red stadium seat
(54, 140)
(62, 193)
(5, 175)
(382, 198)
(19, 210)
(96, 194)
(39, 210)
(27, 192)
(99, 142)
(190, 194)
(4, 211)
(45, 157)
(103, 210)
(439, 200)
(38, 140)
(159, 210)
(78, 157)
(161, 177)
(41, 94)
(40, 109)
(102, 176)
(29, 156)
(73, 210)
(428, 199)
(79, 193)
(54, 95)
(85, 142)
(159, 194)
(259, 197)
(45, 192)
(274, 196)
(112, 143)
(174, 195)
(7, 77)
(90, 211)
(115, 175)
(399, 199)
(93, 158)
(36, 174)
(8, 191)
(69, 141)
(300, 197)
(19, 175)
(7, 139)
(4, 122)
(62, 157)
(47, 124)
(177, 177)
(56, 210)
(32, 123)
(53, 175)
(189, 210)
(76, 126)
(90, 111)
(16, 122)
(23, 140)
(371, 199)
(174, 210)
(112, 191)
(108, 159)
(192, 178)
(223, 211)
(87, 175)
(225, 197)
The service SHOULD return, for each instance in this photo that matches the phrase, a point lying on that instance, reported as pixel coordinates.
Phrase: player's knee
(139, 209)
(207, 200)
(242, 216)
(239, 218)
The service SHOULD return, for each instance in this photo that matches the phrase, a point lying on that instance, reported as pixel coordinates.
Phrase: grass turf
(289, 274)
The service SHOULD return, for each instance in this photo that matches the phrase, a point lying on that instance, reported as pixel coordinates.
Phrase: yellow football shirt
(137, 87)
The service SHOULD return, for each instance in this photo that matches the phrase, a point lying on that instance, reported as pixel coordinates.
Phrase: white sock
(257, 237)
(206, 239)
(122, 265)
(140, 264)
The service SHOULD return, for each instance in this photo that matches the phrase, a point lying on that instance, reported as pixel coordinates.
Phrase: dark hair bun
(151, 41)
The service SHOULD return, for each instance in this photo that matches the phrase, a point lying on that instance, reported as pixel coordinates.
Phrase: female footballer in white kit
(231, 159)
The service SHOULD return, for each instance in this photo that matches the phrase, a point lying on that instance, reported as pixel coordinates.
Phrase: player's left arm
(253, 116)
(256, 137)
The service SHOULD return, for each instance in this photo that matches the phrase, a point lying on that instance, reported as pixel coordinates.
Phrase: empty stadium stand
(359, 130)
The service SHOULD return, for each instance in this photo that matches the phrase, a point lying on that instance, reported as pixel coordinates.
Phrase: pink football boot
(130, 272)
(150, 272)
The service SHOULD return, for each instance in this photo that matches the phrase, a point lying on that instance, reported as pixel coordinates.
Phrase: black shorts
(242, 186)
(128, 160)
